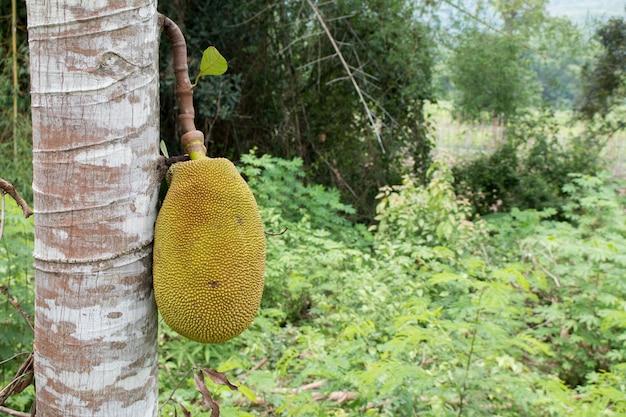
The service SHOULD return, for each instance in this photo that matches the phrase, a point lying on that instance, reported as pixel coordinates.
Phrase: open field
(457, 140)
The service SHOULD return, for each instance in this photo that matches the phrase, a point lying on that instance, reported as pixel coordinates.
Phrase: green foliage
(317, 235)
(16, 275)
(491, 76)
(287, 92)
(558, 51)
(529, 169)
(431, 315)
(429, 216)
(521, 16)
(604, 80)
(584, 262)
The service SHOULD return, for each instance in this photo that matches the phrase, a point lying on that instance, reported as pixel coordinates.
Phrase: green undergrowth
(426, 311)
(16, 286)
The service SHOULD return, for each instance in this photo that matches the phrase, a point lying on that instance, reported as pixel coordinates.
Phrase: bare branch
(17, 305)
(171, 397)
(13, 412)
(22, 379)
(301, 38)
(282, 232)
(7, 187)
(317, 61)
(332, 40)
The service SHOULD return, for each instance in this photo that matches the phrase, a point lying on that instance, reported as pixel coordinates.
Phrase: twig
(554, 277)
(7, 360)
(22, 379)
(332, 40)
(13, 412)
(282, 232)
(17, 306)
(171, 397)
(7, 187)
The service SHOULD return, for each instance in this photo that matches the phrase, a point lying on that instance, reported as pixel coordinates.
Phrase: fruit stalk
(192, 139)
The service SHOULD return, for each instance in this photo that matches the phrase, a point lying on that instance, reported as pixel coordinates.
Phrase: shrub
(529, 169)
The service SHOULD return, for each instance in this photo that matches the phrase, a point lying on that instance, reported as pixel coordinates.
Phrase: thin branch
(16, 84)
(17, 305)
(20, 381)
(17, 355)
(301, 38)
(1, 214)
(316, 62)
(7, 187)
(282, 232)
(13, 412)
(258, 14)
(463, 388)
(320, 18)
(171, 397)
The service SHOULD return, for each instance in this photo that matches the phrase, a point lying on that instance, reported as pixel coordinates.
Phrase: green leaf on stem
(213, 63)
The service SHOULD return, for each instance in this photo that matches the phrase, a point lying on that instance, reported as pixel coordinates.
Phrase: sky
(581, 10)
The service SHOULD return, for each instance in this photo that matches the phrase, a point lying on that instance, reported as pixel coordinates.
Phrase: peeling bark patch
(115, 315)
(117, 345)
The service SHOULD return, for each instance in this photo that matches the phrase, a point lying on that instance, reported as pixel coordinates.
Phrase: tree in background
(604, 80)
(94, 98)
(489, 75)
(520, 17)
(558, 51)
(289, 94)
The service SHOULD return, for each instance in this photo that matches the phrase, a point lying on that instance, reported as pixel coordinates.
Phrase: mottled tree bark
(94, 86)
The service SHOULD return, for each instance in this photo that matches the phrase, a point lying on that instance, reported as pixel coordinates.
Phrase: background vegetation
(408, 283)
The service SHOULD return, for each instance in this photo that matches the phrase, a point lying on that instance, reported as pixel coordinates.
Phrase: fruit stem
(192, 139)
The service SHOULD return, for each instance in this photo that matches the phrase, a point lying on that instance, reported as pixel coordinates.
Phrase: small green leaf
(213, 63)
(247, 393)
(164, 149)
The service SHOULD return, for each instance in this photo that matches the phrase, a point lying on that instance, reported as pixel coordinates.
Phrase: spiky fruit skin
(209, 252)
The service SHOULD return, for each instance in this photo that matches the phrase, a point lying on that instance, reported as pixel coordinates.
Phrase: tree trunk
(94, 85)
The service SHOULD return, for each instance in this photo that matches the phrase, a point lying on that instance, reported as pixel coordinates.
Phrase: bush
(528, 170)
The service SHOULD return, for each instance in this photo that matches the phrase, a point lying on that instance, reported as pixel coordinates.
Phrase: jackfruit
(209, 251)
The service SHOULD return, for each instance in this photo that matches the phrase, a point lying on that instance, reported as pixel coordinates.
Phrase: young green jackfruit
(209, 252)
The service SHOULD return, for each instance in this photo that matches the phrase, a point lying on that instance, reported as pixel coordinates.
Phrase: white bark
(94, 86)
